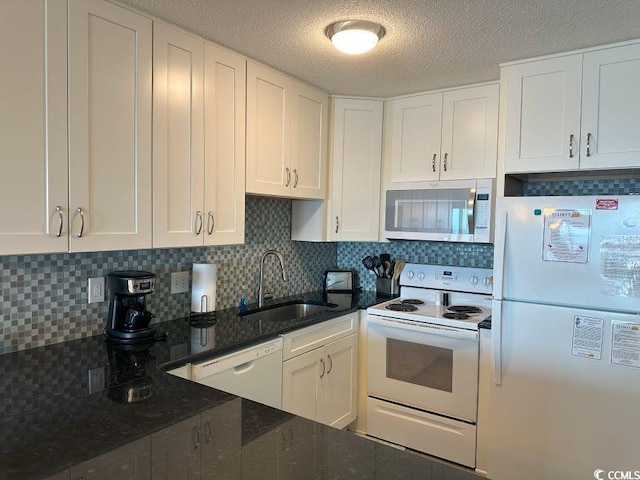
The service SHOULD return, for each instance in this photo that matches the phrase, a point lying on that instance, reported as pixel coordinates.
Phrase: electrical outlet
(96, 290)
(179, 282)
(96, 379)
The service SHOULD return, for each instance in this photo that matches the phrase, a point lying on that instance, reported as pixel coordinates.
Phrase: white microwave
(447, 211)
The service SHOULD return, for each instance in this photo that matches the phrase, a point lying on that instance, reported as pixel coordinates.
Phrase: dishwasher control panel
(235, 359)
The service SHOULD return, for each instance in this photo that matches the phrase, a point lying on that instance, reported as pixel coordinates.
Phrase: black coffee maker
(128, 316)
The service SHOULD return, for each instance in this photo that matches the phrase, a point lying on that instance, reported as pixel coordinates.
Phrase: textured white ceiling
(429, 43)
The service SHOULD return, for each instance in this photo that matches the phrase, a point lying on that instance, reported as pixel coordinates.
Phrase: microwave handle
(471, 210)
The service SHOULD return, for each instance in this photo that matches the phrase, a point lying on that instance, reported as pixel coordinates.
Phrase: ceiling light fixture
(354, 36)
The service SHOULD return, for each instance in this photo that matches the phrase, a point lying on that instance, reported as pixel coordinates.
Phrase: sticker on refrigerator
(619, 272)
(566, 235)
(625, 344)
(587, 337)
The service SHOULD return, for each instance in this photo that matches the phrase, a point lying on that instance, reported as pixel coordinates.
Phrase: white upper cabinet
(445, 135)
(573, 112)
(308, 141)
(610, 132)
(416, 136)
(33, 127)
(543, 115)
(286, 135)
(224, 145)
(109, 127)
(178, 138)
(199, 125)
(356, 160)
(470, 132)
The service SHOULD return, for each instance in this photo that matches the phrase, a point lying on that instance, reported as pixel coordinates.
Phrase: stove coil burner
(401, 307)
(464, 309)
(412, 301)
(456, 315)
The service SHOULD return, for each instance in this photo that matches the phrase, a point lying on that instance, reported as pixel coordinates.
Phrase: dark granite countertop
(52, 425)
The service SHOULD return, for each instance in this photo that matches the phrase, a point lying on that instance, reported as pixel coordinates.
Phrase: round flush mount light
(354, 36)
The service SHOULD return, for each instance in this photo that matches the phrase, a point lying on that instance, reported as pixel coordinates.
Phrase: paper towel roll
(203, 287)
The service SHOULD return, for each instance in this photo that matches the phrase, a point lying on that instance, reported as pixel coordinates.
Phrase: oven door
(426, 366)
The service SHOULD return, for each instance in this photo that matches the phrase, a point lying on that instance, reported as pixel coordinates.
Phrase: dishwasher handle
(239, 361)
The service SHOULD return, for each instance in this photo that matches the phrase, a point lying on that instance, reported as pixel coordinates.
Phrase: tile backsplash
(350, 255)
(44, 297)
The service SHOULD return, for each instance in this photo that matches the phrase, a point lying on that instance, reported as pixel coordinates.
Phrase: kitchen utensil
(377, 264)
(387, 267)
(385, 257)
(398, 269)
(368, 264)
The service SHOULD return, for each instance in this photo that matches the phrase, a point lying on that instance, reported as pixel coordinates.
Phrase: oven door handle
(425, 328)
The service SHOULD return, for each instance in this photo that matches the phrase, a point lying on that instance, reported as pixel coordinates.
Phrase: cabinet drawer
(306, 339)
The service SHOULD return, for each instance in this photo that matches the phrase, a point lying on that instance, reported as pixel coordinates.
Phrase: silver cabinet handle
(295, 182)
(330, 364)
(79, 210)
(199, 223)
(211, 222)
(207, 432)
(433, 162)
(323, 368)
(444, 164)
(288, 177)
(61, 220)
(571, 146)
(337, 224)
(471, 207)
(195, 437)
(588, 144)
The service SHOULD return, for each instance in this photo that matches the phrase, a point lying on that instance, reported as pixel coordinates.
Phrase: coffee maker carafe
(129, 319)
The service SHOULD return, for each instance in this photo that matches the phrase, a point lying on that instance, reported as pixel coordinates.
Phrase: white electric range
(423, 354)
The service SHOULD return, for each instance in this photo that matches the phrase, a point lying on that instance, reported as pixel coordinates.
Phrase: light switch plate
(96, 290)
(179, 282)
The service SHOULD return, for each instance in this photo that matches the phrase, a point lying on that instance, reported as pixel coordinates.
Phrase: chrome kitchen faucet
(284, 275)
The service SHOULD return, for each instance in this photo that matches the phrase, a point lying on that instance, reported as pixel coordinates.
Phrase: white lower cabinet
(319, 375)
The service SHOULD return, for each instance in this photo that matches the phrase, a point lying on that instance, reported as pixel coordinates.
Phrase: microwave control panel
(482, 210)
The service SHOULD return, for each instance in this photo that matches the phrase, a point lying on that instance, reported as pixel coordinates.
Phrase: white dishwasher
(254, 373)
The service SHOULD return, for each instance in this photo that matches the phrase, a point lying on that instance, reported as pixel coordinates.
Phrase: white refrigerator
(565, 358)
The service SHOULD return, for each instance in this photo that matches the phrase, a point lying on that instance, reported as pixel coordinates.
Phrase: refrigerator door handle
(498, 261)
(496, 342)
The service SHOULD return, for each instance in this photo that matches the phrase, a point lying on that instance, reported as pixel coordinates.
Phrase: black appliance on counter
(129, 318)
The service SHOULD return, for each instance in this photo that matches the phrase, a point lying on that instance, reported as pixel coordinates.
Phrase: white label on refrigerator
(587, 337)
(619, 273)
(566, 235)
(625, 344)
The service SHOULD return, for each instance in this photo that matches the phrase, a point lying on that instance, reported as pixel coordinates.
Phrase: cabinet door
(308, 141)
(611, 108)
(130, 462)
(109, 127)
(543, 115)
(224, 146)
(178, 144)
(416, 136)
(302, 384)
(469, 133)
(268, 131)
(220, 456)
(341, 382)
(355, 171)
(33, 127)
(175, 451)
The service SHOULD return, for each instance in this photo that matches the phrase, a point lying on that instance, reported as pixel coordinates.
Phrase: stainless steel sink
(288, 311)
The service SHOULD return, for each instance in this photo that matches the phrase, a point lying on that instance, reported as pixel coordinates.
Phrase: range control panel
(463, 279)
